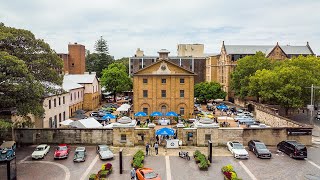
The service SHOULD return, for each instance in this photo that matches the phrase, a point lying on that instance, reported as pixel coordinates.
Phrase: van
(293, 148)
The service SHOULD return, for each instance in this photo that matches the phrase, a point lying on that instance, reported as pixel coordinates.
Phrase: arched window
(164, 109)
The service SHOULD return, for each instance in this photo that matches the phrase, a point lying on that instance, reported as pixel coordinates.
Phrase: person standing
(147, 149)
(133, 174)
(156, 147)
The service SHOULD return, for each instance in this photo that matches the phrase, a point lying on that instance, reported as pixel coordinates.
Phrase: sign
(310, 107)
(172, 143)
(299, 132)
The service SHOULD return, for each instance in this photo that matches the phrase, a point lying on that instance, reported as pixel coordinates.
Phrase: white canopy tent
(128, 106)
(66, 122)
(86, 123)
(121, 108)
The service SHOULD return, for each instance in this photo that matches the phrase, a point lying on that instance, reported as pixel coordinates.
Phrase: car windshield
(237, 146)
(79, 153)
(104, 148)
(260, 146)
(150, 175)
(62, 148)
(301, 147)
(39, 149)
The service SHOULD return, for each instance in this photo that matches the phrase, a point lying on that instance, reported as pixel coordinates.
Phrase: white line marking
(85, 174)
(66, 170)
(168, 169)
(24, 159)
(248, 171)
(314, 164)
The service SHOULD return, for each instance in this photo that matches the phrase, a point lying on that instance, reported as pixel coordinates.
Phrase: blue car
(222, 107)
(7, 150)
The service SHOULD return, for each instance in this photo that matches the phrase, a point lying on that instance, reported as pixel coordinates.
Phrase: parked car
(104, 152)
(245, 113)
(237, 149)
(293, 148)
(40, 151)
(7, 150)
(80, 154)
(94, 114)
(147, 174)
(222, 107)
(62, 151)
(259, 149)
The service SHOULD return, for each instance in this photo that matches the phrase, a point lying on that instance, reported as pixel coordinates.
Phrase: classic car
(147, 174)
(259, 149)
(40, 151)
(80, 154)
(237, 149)
(7, 150)
(62, 151)
(104, 152)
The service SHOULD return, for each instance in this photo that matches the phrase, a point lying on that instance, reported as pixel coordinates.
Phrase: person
(147, 149)
(138, 122)
(133, 173)
(157, 138)
(148, 121)
(156, 146)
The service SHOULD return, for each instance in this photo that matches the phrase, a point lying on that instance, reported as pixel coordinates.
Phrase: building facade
(76, 94)
(164, 86)
(190, 57)
(221, 67)
(92, 90)
(74, 62)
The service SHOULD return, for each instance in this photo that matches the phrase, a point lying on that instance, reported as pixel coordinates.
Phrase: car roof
(235, 142)
(293, 142)
(42, 145)
(7, 144)
(102, 145)
(80, 149)
(62, 145)
(146, 170)
(256, 141)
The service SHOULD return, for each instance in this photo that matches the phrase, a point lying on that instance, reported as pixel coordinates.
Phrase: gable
(163, 67)
(277, 53)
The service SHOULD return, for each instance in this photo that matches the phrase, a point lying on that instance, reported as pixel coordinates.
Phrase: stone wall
(183, 136)
(143, 136)
(70, 136)
(275, 120)
(229, 134)
(203, 132)
(128, 137)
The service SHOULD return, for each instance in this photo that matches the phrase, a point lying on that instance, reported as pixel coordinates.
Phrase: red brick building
(74, 62)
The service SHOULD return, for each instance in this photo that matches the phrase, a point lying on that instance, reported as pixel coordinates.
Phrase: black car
(293, 148)
(259, 149)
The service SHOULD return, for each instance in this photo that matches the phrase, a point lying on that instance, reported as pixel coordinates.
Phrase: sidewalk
(130, 151)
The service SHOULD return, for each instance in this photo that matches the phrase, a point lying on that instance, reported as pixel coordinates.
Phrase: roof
(42, 145)
(80, 78)
(163, 51)
(252, 49)
(80, 149)
(86, 123)
(7, 144)
(68, 85)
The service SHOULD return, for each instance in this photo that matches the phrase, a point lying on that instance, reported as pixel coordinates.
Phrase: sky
(153, 25)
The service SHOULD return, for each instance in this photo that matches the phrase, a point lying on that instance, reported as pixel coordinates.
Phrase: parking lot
(170, 167)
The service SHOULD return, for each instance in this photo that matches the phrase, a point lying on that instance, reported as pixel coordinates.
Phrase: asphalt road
(279, 167)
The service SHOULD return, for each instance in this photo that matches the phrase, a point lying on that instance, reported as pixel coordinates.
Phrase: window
(92, 88)
(72, 64)
(54, 124)
(207, 137)
(163, 93)
(63, 100)
(140, 66)
(123, 138)
(182, 93)
(145, 93)
(70, 97)
(75, 96)
(54, 103)
(78, 94)
(181, 111)
(50, 122)
(59, 101)
(181, 80)
(59, 117)
(49, 104)
(145, 110)
(64, 115)
(163, 81)
(145, 81)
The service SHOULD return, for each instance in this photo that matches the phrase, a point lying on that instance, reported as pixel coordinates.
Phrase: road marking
(247, 170)
(168, 169)
(314, 164)
(66, 170)
(23, 160)
(85, 174)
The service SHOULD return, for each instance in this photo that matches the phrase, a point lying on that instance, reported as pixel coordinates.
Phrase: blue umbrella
(140, 114)
(171, 113)
(108, 116)
(156, 113)
(165, 131)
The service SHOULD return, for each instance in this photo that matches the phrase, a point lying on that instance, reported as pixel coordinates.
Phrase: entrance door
(163, 110)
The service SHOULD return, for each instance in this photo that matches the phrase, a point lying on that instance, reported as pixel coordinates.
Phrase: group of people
(148, 148)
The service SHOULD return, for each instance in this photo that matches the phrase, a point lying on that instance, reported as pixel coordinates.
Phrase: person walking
(147, 149)
(133, 174)
(156, 147)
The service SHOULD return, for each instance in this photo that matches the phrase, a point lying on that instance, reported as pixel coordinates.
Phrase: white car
(237, 149)
(40, 151)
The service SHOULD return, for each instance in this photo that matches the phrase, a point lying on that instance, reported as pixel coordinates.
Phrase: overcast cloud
(153, 25)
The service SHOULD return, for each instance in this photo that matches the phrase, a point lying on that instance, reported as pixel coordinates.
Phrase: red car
(146, 174)
(62, 151)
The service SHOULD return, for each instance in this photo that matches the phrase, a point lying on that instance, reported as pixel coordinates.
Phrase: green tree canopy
(125, 62)
(25, 64)
(115, 79)
(99, 60)
(205, 91)
(246, 67)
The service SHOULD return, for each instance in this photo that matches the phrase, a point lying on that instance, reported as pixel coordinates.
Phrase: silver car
(104, 152)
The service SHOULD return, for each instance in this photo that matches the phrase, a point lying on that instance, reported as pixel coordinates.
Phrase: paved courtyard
(170, 166)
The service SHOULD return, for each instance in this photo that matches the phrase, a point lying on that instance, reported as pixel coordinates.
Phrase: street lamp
(311, 105)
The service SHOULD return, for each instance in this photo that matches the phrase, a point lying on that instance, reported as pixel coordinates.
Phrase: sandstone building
(164, 86)
(219, 67)
(190, 57)
(76, 94)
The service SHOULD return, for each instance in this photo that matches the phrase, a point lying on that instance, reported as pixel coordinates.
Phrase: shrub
(227, 168)
(92, 176)
(196, 153)
(229, 173)
(138, 158)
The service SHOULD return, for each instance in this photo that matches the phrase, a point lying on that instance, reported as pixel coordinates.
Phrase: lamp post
(311, 106)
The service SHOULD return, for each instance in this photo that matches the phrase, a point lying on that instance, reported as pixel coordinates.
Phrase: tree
(26, 63)
(125, 62)
(99, 60)
(246, 67)
(115, 79)
(205, 91)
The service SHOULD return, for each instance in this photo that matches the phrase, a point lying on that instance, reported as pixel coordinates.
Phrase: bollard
(120, 159)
